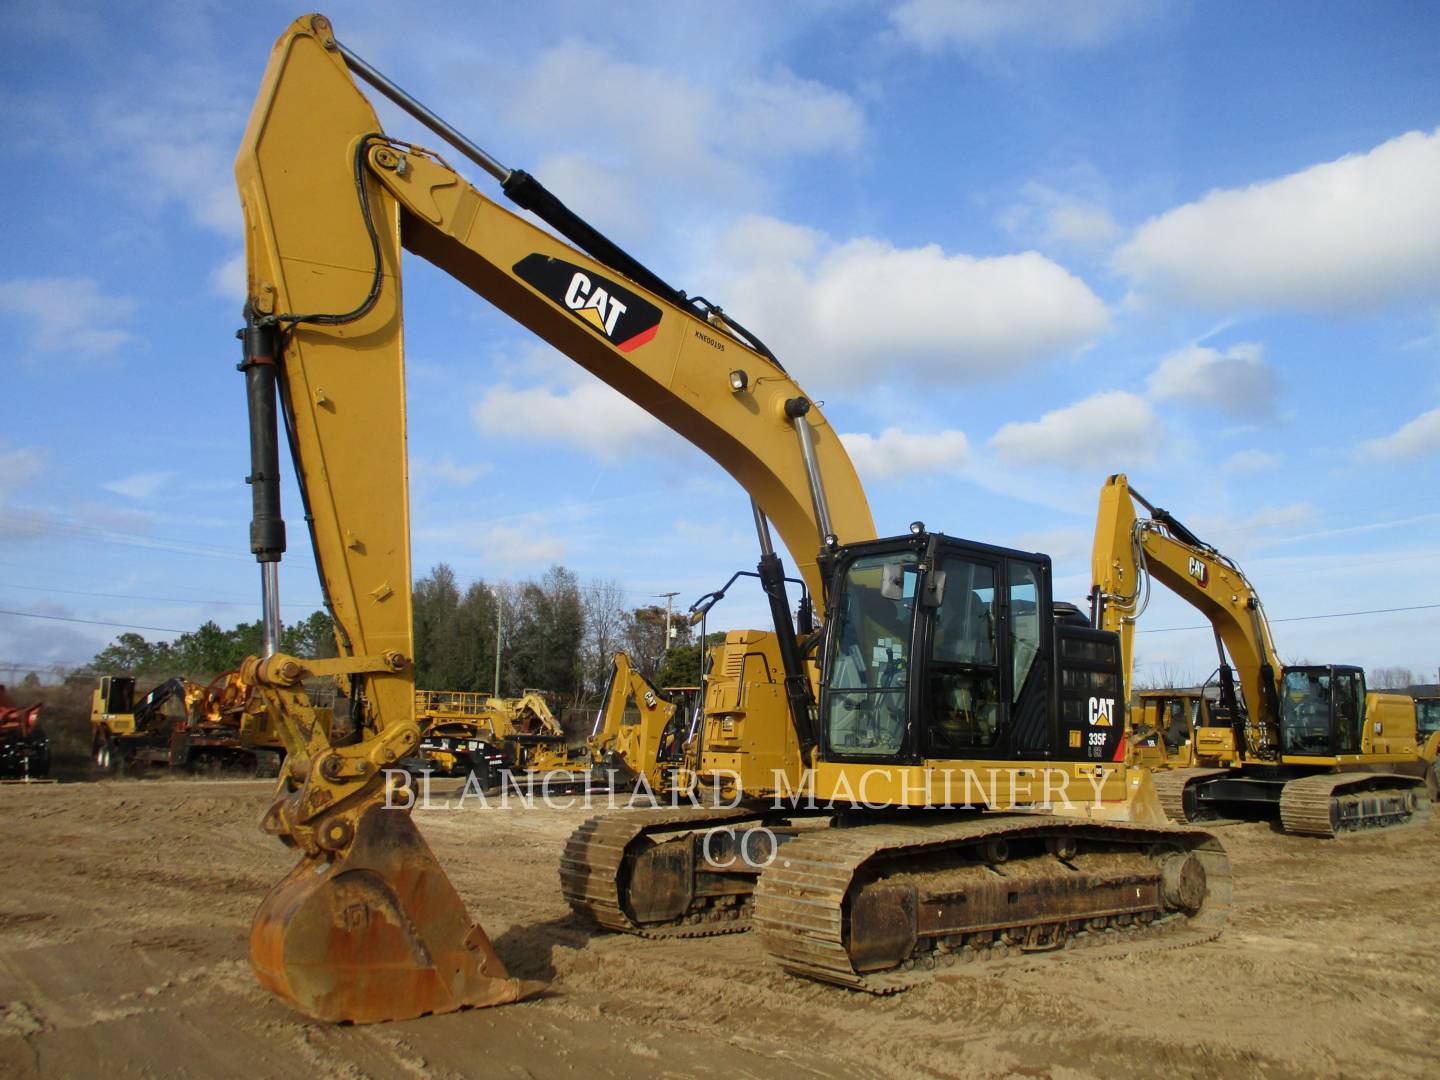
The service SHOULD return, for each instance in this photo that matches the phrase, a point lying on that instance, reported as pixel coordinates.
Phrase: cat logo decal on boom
(1199, 571)
(620, 316)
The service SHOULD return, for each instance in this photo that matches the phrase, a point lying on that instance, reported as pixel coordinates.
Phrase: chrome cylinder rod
(270, 605)
(762, 529)
(796, 408)
(424, 115)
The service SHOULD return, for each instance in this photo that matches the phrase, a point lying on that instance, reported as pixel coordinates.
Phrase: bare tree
(604, 606)
(1163, 675)
(1390, 678)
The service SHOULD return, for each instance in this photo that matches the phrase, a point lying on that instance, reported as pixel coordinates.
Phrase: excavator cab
(1321, 710)
(942, 648)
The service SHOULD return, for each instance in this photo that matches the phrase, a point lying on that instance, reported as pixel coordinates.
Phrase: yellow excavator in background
(945, 675)
(1305, 743)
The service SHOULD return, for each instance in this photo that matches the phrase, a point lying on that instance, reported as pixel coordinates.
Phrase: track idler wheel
(376, 932)
(1183, 881)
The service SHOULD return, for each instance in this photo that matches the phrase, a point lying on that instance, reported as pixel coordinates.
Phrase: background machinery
(941, 661)
(1305, 743)
(24, 746)
(179, 724)
(641, 732)
(466, 734)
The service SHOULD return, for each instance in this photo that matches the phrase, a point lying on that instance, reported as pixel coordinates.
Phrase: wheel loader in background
(938, 675)
(1304, 743)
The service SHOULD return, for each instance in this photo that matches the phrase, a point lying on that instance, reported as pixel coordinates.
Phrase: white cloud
(1057, 219)
(68, 315)
(589, 416)
(1246, 462)
(1419, 438)
(141, 485)
(1237, 381)
(514, 545)
(228, 279)
(1349, 234)
(1237, 533)
(674, 127)
(1063, 542)
(1105, 430)
(968, 24)
(896, 452)
(839, 310)
(19, 467)
(448, 471)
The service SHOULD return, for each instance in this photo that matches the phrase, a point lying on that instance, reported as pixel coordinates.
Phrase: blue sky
(1013, 246)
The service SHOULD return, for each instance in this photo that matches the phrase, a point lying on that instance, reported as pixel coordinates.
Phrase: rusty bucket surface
(379, 933)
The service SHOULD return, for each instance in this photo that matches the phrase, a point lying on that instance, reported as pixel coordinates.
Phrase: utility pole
(668, 597)
(498, 609)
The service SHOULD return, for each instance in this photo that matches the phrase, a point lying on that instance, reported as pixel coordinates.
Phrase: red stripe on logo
(1119, 750)
(638, 340)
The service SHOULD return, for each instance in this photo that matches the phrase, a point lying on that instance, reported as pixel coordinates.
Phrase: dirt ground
(126, 906)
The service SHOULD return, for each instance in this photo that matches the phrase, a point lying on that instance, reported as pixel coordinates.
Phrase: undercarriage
(881, 905)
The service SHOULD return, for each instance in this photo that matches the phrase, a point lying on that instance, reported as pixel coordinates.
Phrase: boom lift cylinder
(267, 527)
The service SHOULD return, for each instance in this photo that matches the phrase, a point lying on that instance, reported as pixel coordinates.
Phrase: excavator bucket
(376, 933)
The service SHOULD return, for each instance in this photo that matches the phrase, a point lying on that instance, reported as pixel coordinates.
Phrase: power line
(94, 622)
(1302, 618)
(158, 599)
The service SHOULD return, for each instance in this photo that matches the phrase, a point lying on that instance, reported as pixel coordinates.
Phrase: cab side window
(1024, 624)
(1349, 708)
(964, 675)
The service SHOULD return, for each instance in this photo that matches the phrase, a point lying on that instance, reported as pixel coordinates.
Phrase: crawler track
(1335, 804)
(1171, 785)
(598, 868)
(926, 906)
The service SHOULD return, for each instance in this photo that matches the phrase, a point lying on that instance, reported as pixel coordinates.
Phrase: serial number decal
(714, 343)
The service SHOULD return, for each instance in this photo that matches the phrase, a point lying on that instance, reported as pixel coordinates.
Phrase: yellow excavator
(1304, 743)
(924, 672)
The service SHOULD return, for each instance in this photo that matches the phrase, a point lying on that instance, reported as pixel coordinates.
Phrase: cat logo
(621, 317)
(593, 303)
(1199, 571)
(650, 699)
(1102, 710)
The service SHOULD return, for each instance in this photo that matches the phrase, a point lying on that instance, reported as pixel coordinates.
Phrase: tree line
(554, 634)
